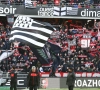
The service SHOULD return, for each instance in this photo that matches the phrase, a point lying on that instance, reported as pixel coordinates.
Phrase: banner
(85, 42)
(47, 11)
(30, 4)
(21, 82)
(46, 83)
(82, 83)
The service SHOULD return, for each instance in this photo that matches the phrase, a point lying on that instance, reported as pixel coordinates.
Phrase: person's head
(25, 53)
(70, 69)
(22, 49)
(76, 58)
(13, 67)
(33, 69)
(72, 59)
(77, 62)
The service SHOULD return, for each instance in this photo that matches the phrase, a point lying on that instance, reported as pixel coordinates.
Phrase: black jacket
(71, 79)
(13, 75)
(33, 79)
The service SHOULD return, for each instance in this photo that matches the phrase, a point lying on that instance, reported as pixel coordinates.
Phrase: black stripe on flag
(31, 31)
(47, 25)
(37, 25)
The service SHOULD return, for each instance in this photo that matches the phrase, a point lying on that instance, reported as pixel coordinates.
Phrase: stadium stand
(76, 3)
(68, 36)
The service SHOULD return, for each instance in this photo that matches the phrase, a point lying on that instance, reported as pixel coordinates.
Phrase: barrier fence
(48, 82)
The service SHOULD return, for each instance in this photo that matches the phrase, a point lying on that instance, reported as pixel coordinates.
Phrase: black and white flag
(5, 54)
(31, 32)
(59, 11)
(72, 10)
(30, 4)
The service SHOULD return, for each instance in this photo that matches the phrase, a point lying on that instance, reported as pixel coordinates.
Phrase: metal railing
(18, 75)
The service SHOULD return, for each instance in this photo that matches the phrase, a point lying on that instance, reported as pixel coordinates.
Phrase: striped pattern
(30, 4)
(72, 11)
(59, 11)
(31, 32)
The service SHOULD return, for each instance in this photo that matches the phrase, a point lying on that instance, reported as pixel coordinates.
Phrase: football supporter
(68, 36)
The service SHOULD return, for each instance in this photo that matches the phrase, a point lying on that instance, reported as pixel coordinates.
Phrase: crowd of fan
(68, 37)
(73, 55)
(76, 3)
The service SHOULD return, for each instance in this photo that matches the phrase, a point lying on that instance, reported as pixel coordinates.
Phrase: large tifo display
(60, 83)
(66, 11)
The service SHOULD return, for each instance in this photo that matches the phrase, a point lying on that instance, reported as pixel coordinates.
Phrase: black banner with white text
(46, 11)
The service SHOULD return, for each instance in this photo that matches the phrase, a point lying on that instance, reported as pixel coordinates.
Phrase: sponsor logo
(82, 83)
(72, 11)
(87, 83)
(19, 83)
(90, 13)
(54, 11)
(45, 12)
(44, 83)
(7, 10)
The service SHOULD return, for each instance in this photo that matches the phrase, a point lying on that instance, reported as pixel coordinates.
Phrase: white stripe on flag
(29, 6)
(28, 40)
(63, 8)
(56, 13)
(63, 13)
(33, 34)
(57, 8)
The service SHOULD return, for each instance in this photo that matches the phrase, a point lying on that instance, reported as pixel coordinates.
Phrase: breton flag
(30, 4)
(31, 32)
(59, 11)
(72, 10)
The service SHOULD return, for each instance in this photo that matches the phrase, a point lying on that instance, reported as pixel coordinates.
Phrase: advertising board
(47, 11)
(60, 83)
